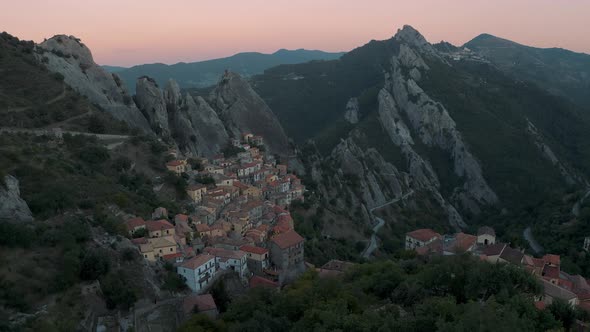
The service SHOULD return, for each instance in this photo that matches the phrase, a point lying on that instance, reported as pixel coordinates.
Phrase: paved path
(528, 235)
(41, 132)
(372, 246)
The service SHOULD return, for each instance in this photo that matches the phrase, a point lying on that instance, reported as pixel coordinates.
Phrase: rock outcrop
(243, 111)
(12, 207)
(406, 108)
(352, 111)
(69, 57)
(195, 126)
(150, 101)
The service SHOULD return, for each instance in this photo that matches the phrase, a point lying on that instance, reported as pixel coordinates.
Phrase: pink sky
(127, 32)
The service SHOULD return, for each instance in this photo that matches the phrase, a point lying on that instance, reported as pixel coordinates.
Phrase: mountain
(560, 71)
(468, 141)
(206, 73)
(113, 69)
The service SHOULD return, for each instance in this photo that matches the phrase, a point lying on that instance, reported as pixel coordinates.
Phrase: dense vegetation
(80, 173)
(457, 293)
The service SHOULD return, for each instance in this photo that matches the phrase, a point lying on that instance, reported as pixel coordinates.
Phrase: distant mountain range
(561, 72)
(206, 73)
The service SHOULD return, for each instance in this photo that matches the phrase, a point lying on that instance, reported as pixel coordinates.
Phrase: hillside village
(240, 221)
(557, 284)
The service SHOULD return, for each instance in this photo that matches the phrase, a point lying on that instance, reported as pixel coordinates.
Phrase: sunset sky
(128, 32)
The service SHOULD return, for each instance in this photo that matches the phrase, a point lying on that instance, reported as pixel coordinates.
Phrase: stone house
(232, 260)
(199, 304)
(178, 166)
(158, 228)
(286, 250)
(196, 192)
(257, 258)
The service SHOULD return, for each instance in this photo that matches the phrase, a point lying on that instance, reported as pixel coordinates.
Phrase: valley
(282, 193)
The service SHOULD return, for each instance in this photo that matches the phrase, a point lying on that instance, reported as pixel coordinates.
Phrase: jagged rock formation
(242, 111)
(150, 101)
(352, 111)
(431, 122)
(195, 126)
(72, 59)
(12, 206)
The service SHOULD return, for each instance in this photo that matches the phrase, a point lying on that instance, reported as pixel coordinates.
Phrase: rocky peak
(12, 206)
(352, 111)
(68, 56)
(243, 111)
(412, 37)
(172, 94)
(150, 100)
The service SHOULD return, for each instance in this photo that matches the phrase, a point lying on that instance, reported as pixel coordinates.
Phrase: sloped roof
(512, 256)
(494, 249)
(204, 302)
(287, 239)
(424, 234)
(254, 249)
(158, 225)
(257, 281)
(557, 292)
(134, 223)
(197, 261)
(464, 242)
(552, 259)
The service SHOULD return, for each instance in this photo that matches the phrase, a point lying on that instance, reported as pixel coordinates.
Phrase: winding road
(380, 222)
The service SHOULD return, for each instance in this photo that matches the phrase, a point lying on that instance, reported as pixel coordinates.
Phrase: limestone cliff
(68, 56)
(243, 111)
(12, 207)
(150, 101)
(195, 126)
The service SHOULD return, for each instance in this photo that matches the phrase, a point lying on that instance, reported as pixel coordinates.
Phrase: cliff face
(243, 111)
(150, 101)
(430, 122)
(12, 207)
(68, 56)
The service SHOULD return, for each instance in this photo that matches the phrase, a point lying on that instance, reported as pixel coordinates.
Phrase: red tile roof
(287, 240)
(463, 242)
(424, 234)
(257, 281)
(540, 305)
(158, 225)
(170, 257)
(551, 272)
(140, 240)
(494, 249)
(174, 163)
(552, 259)
(181, 217)
(134, 223)
(204, 302)
(254, 249)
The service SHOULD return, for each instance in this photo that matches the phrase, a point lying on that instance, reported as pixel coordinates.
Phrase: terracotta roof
(551, 272)
(174, 163)
(257, 281)
(254, 249)
(204, 302)
(464, 242)
(158, 225)
(557, 292)
(197, 261)
(538, 262)
(202, 228)
(288, 239)
(424, 234)
(140, 240)
(485, 230)
(552, 259)
(540, 305)
(278, 210)
(434, 247)
(134, 223)
(172, 256)
(240, 185)
(512, 256)
(181, 217)
(494, 249)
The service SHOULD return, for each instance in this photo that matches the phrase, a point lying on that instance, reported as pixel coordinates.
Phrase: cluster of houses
(557, 284)
(239, 224)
